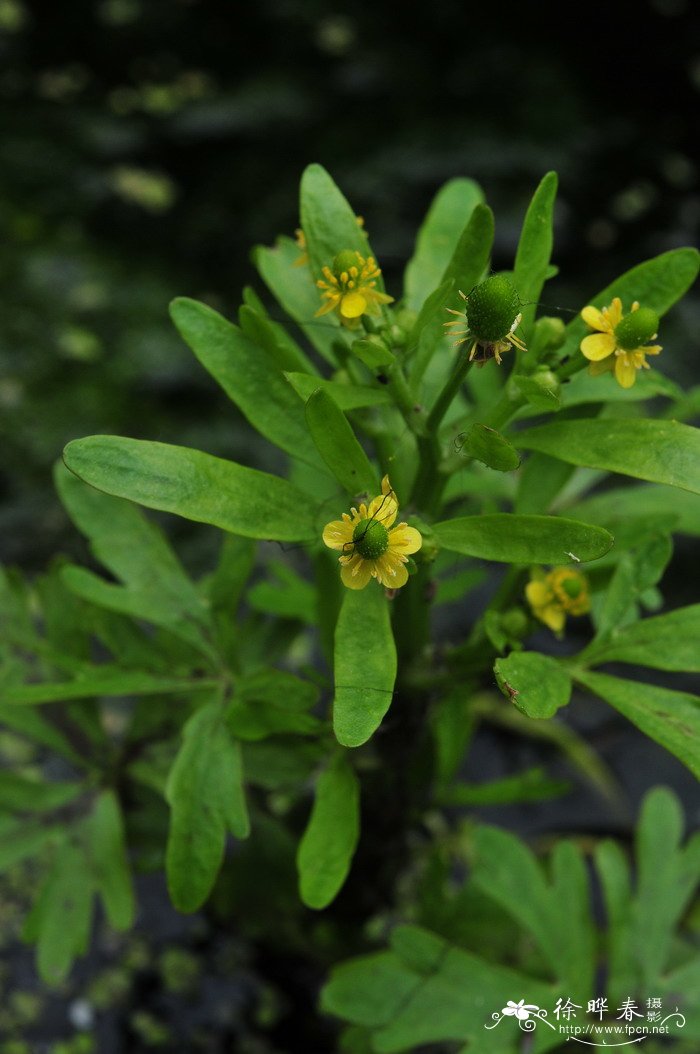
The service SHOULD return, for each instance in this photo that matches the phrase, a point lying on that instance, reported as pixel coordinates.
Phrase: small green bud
(549, 335)
(406, 319)
(547, 381)
(396, 336)
(370, 539)
(573, 587)
(492, 308)
(345, 260)
(515, 623)
(636, 328)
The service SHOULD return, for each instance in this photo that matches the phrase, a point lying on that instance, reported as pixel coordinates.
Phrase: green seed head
(636, 328)
(492, 308)
(371, 539)
(344, 261)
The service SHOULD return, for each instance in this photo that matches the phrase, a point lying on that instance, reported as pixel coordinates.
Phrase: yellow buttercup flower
(555, 594)
(350, 288)
(371, 546)
(620, 341)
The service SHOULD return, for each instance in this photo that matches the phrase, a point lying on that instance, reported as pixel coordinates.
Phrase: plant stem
(444, 400)
(411, 412)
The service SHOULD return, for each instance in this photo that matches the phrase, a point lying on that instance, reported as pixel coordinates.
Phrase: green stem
(448, 393)
(412, 413)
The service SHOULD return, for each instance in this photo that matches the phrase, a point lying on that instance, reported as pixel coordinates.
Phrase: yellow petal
(405, 539)
(356, 573)
(328, 306)
(352, 305)
(625, 371)
(595, 319)
(391, 571)
(598, 346)
(553, 616)
(337, 534)
(384, 509)
(538, 594)
(614, 312)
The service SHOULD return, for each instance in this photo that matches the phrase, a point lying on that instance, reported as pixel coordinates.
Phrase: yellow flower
(349, 288)
(620, 341)
(371, 546)
(554, 595)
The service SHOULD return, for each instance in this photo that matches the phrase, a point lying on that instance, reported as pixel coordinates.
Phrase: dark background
(147, 144)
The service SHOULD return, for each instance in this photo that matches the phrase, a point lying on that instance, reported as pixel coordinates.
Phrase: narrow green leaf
(664, 642)
(542, 394)
(657, 283)
(490, 447)
(346, 396)
(194, 485)
(101, 681)
(110, 866)
(535, 683)
(272, 702)
(236, 561)
(285, 594)
(433, 308)
(282, 349)
(531, 785)
(298, 295)
(437, 239)
(539, 483)
(658, 451)
(248, 374)
(583, 388)
(373, 353)
(641, 500)
(328, 221)
(330, 839)
(23, 794)
(669, 717)
(523, 539)
(535, 249)
(61, 918)
(636, 572)
(365, 665)
(205, 793)
(337, 445)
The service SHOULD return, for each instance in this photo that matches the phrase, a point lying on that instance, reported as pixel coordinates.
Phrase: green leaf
(365, 665)
(330, 839)
(110, 866)
(465, 268)
(437, 239)
(61, 918)
(328, 221)
(555, 913)
(542, 397)
(247, 373)
(541, 684)
(194, 485)
(658, 451)
(346, 396)
(24, 794)
(641, 500)
(583, 388)
(282, 349)
(236, 561)
(670, 718)
(297, 293)
(205, 793)
(432, 309)
(337, 445)
(657, 283)
(635, 573)
(101, 681)
(531, 785)
(535, 249)
(437, 993)
(137, 552)
(271, 702)
(20, 839)
(522, 539)
(490, 447)
(540, 482)
(286, 595)
(664, 642)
